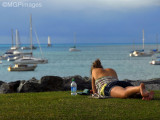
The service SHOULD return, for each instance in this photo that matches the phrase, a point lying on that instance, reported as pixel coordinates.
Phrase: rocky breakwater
(56, 83)
(46, 83)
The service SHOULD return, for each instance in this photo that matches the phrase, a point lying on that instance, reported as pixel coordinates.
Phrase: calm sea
(64, 63)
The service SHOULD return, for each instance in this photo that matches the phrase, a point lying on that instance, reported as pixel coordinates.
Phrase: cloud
(100, 4)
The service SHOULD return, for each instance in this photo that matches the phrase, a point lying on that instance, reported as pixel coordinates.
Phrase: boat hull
(153, 62)
(31, 61)
(140, 54)
(73, 49)
(27, 68)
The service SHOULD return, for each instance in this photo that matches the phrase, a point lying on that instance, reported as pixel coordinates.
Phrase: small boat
(141, 53)
(28, 48)
(74, 49)
(24, 67)
(30, 60)
(155, 62)
(157, 49)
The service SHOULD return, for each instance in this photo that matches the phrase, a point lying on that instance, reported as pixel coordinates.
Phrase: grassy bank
(61, 105)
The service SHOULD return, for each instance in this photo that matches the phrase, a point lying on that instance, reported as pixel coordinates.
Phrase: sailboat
(141, 53)
(157, 49)
(49, 41)
(72, 49)
(31, 44)
(13, 53)
(31, 59)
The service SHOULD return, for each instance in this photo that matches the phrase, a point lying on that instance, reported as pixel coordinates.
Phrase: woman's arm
(93, 86)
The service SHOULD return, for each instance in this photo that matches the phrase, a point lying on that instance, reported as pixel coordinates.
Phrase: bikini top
(100, 82)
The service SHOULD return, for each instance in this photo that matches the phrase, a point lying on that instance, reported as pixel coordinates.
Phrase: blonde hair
(96, 64)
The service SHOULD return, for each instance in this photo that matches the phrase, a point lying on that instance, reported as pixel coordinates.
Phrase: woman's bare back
(100, 72)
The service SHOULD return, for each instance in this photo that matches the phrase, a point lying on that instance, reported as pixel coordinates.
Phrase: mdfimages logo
(21, 4)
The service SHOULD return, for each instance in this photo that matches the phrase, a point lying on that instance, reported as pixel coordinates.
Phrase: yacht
(72, 49)
(155, 61)
(28, 48)
(24, 67)
(30, 60)
(141, 53)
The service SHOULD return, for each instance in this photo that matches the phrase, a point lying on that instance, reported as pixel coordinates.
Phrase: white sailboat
(74, 49)
(14, 53)
(31, 59)
(49, 41)
(138, 53)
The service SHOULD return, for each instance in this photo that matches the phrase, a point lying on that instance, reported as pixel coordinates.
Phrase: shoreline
(56, 83)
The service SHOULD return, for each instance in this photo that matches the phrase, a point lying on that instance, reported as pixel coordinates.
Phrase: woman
(105, 82)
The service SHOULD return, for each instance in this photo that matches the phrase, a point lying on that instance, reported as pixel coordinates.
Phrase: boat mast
(74, 39)
(12, 37)
(17, 45)
(143, 39)
(31, 31)
(157, 41)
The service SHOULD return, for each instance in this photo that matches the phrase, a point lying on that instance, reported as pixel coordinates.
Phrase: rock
(1, 82)
(20, 85)
(30, 86)
(81, 82)
(51, 83)
(4, 88)
(9, 87)
(55, 83)
(14, 85)
(151, 84)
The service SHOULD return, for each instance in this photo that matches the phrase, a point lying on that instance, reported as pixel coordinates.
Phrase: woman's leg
(121, 92)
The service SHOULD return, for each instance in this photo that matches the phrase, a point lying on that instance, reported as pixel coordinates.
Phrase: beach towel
(85, 92)
(95, 95)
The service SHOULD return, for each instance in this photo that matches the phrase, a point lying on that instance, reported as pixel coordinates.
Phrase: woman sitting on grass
(105, 82)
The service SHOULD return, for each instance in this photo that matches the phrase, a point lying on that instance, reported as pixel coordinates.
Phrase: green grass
(61, 105)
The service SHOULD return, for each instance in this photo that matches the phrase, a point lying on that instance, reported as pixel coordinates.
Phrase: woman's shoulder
(109, 69)
(97, 69)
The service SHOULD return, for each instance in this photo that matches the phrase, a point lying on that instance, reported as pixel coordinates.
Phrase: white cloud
(100, 4)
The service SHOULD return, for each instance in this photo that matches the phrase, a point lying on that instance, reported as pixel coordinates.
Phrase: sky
(93, 21)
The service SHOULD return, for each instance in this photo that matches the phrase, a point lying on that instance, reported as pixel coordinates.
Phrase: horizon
(94, 21)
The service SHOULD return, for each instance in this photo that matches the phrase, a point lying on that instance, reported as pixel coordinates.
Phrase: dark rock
(51, 83)
(1, 82)
(30, 86)
(14, 85)
(55, 83)
(151, 84)
(9, 87)
(5, 88)
(81, 82)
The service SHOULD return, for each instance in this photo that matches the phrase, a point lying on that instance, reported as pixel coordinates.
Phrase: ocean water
(63, 63)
